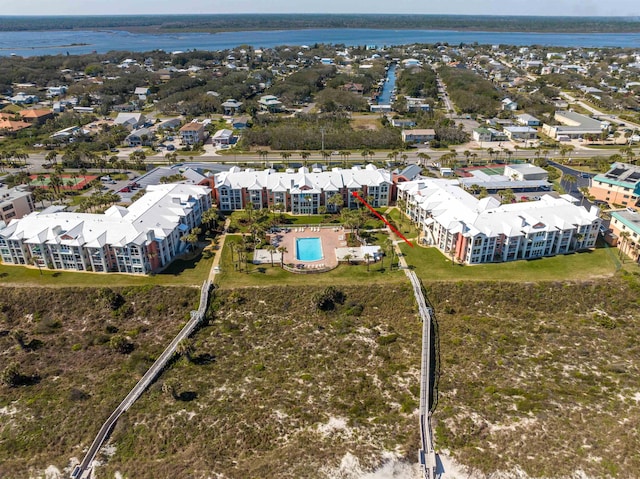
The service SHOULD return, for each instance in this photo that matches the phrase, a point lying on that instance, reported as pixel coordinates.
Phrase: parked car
(126, 189)
(170, 147)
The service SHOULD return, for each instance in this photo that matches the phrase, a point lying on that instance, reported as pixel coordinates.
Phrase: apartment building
(618, 186)
(15, 203)
(302, 191)
(474, 231)
(625, 224)
(140, 239)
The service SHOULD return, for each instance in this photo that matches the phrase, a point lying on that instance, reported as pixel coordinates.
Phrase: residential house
(140, 137)
(54, 91)
(520, 133)
(192, 133)
(23, 98)
(240, 123)
(474, 231)
(169, 124)
(36, 116)
(356, 88)
(9, 124)
(270, 103)
(231, 107)
(481, 134)
(417, 104)
(222, 137)
(15, 203)
(618, 186)
(142, 92)
(131, 121)
(418, 135)
(509, 105)
(527, 120)
(142, 238)
(402, 123)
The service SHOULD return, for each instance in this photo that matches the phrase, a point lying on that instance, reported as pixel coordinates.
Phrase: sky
(471, 7)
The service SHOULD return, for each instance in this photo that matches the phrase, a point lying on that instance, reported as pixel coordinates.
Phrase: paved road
(595, 112)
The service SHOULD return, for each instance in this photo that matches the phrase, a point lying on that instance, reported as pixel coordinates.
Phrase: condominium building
(140, 239)
(302, 191)
(482, 231)
(15, 203)
(618, 186)
(625, 224)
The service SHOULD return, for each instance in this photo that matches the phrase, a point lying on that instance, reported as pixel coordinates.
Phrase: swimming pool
(308, 249)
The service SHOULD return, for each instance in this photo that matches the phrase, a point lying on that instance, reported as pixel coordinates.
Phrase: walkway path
(215, 267)
(83, 470)
(427, 455)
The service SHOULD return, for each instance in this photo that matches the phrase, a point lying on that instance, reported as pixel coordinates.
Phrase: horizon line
(630, 18)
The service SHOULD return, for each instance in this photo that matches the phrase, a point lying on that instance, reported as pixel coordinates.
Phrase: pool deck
(331, 238)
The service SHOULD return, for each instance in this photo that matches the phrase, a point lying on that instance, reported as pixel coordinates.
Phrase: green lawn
(431, 265)
(266, 275)
(179, 273)
(402, 223)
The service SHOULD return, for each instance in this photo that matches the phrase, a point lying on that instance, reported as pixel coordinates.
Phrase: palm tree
(282, 250)
(570, 180)
(305, 157)
(285, 155)
(367, 257)
(271, 249)
(345, 156)
(423, 158)
(389, 247)
(624, 238)
(507, 195)
(336, 201)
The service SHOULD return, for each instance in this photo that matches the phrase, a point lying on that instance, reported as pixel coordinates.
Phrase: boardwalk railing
(427, 455)
(83, 470)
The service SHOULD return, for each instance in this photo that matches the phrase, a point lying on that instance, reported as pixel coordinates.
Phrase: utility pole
(322, 133)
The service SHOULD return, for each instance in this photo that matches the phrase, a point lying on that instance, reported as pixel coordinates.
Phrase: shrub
(121, 344)
(328, 299)
(388, 339)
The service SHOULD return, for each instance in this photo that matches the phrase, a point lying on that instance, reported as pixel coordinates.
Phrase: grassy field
(73, 378)
(431, 265)
(543, 377)
(181, 272)
(402, 223)
(531, 374)
(277, 388)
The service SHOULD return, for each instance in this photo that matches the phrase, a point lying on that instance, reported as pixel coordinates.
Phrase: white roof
(158, 211)
(459, 211)
(294, 180)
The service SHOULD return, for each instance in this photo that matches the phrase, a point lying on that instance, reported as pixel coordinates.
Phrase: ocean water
(102, 41)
